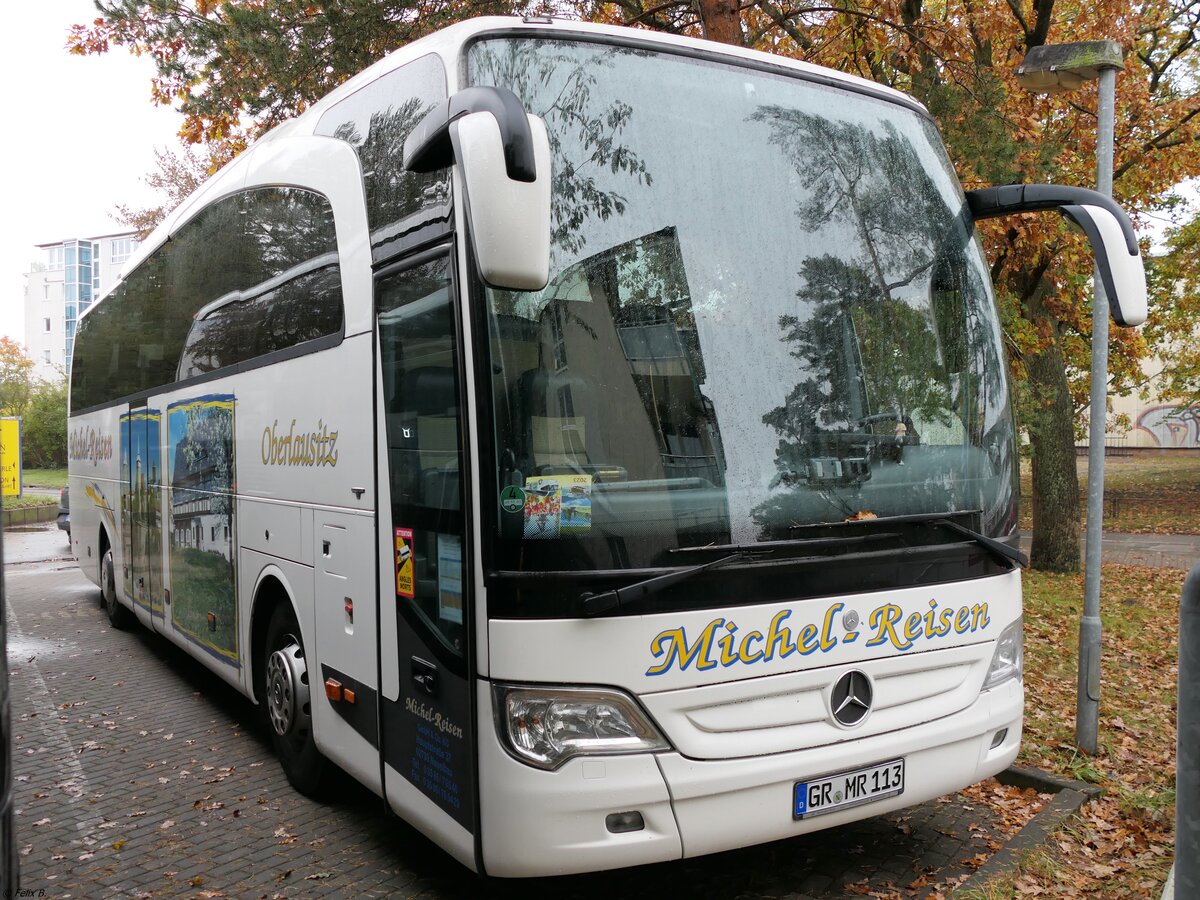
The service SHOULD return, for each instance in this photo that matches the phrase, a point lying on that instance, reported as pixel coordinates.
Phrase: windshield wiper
(997, 548)
(598, 604)
(820, 543)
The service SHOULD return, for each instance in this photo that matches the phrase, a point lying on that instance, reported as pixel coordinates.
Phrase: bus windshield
(766, 311)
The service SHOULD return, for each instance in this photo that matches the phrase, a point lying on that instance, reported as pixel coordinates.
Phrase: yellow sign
(10, 457)
(405, 583)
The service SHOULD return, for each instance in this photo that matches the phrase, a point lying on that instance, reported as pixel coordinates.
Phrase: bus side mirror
(503, 157)
(1114, 245)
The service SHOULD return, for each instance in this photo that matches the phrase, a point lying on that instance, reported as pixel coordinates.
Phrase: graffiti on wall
(1171, 426)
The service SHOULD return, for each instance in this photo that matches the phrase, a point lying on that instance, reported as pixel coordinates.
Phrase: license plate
(834, 792)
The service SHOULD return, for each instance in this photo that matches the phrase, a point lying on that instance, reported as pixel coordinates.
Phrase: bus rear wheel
(119, 616)
(287, 703)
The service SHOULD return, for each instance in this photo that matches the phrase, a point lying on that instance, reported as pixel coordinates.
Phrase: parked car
(64, 511)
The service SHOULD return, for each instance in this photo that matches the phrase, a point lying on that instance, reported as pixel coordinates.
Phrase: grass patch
(1150, 493)
(1122, 844)
(1037, 867)
(48, 478)
(27, 500)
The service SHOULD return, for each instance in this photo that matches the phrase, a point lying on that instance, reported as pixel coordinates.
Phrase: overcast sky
(82, 134)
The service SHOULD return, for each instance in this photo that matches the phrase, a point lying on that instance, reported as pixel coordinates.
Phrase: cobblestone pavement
(139, 773)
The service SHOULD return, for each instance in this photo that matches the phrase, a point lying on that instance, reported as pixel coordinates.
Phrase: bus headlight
(545, 727)
(1008, 660)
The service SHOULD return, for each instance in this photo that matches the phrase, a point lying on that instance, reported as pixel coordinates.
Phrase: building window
(122, 249)
(46, 355)
(45, 291)
(46, 325)
(56, 258)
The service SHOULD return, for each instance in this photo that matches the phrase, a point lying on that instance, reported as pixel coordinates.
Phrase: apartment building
(75, 273)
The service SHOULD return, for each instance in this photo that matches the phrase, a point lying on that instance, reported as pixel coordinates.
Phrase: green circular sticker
(512, 499)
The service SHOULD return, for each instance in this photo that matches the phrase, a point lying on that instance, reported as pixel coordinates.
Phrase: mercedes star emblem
(851, 698)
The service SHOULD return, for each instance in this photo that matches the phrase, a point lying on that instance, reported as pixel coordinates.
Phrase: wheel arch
(271, 590)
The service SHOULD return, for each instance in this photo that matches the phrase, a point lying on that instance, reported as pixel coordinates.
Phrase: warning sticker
(404, 563)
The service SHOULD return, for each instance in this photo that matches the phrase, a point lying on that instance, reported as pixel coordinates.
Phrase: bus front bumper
(553, 823)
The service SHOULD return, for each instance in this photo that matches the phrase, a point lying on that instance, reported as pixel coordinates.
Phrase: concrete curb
(1069, 798)
(29, 515)
(1045, 783)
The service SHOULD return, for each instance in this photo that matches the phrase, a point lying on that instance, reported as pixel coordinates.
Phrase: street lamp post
(1053, 69)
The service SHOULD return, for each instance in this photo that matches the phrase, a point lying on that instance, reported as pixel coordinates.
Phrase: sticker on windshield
(558, 505)
(512, 499)
(575, 516)
(543, 504)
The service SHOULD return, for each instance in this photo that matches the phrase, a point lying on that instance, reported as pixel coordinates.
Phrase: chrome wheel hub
(287, 690)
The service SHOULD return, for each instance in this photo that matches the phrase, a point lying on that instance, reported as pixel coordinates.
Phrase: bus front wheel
(287, 702)
(119, 616)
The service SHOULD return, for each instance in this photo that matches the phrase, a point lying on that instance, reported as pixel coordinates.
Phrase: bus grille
(788, 712)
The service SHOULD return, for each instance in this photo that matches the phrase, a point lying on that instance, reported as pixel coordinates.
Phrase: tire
(119, 616)
(286, 704)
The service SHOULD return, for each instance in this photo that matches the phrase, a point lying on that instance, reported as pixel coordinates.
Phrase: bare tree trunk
(722, 21)
(1056, 519)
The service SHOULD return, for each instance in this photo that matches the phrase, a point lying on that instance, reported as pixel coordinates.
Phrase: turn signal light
(333, 689)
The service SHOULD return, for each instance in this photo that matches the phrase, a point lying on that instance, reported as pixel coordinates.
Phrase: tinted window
(279, 285)
(252, 274)
(119, 349)
(403, 208)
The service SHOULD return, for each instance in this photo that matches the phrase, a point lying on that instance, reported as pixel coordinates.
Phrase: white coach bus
(596, 442)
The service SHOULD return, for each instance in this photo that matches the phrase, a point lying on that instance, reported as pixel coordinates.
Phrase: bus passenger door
(425, 621)
(141, 537)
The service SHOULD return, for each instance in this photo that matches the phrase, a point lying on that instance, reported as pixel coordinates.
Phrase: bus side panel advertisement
(140, 505)
(202, 540)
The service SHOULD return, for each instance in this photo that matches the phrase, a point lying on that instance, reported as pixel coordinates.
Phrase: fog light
(622, 822)
(999, 738)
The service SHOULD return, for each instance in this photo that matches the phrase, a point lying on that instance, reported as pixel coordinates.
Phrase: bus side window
(272, 282)
(404, 209)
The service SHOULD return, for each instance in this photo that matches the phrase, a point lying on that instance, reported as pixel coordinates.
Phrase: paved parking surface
(140, 774)
(1167, 551)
